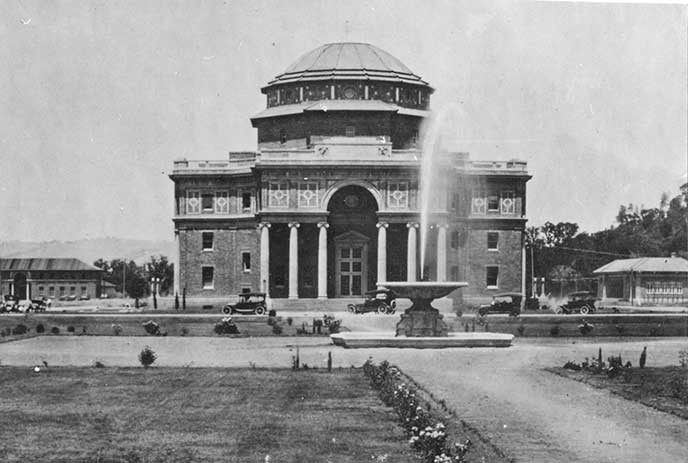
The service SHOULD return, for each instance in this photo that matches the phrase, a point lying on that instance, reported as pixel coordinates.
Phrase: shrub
(554, 331)
(147, 356)
(40, 328)
(521, 329)
(271, 321)
(116, 329)
(20, 329)
(226, 326)
(276, 329)
(184, 331)
(99, 364)
(55, 330)
(683, 358)
(152, 328)
(272, 313)
(290, 321)
(585, 328)
(70, 329)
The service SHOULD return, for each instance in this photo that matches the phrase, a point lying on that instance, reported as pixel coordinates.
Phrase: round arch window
(349, 93)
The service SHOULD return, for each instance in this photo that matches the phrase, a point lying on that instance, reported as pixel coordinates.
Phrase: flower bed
(427, 434)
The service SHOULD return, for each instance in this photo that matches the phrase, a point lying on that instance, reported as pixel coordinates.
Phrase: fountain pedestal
(422, 323)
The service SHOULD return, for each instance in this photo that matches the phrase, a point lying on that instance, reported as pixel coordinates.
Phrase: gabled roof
(36, 264)
(646, 264)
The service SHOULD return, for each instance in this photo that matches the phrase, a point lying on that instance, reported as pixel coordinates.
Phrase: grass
(194, 414)
(662, 388)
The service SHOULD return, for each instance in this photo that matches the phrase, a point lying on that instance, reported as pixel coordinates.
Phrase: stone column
(177, 265)
(411, 252)
(442, 252)
(322, 259)
(294, 260)
(264, 228)
(382, 251)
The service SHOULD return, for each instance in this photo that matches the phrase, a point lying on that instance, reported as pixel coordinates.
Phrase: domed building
(328, 205)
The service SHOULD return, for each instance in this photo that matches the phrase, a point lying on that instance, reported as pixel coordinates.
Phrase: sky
(98, 98)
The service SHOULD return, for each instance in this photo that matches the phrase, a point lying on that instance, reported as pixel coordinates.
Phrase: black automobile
(580, 301)
(10, 303)
(508, 303)
(39, 305)
(378, 300)
(249, 303)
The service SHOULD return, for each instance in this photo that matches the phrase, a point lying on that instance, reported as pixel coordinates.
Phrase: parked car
(9, 303)
(508, 303)
(579, 301)
(39, 305)
(377, 300)
(249, 303)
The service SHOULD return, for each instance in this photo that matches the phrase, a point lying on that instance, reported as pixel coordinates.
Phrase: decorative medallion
(349, 93)
(352, 201)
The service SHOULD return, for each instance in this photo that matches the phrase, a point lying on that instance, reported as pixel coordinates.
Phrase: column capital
(382, 225)
(262, 225)
(323, 225)
(294, 224)
(412, 225)
(442, 225)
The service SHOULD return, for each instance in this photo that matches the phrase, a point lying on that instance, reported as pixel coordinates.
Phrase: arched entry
(20, 285)
(352, 241)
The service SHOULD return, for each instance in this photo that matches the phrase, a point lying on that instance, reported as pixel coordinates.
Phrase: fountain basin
(423, 290)
(385, 339)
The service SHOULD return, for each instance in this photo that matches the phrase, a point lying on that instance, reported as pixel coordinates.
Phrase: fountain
(421, 325)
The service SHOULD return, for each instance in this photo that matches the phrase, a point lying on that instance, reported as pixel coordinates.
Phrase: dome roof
(347, 61)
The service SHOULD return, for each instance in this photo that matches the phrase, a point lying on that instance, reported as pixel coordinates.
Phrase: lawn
(662, 388)
(194, 414)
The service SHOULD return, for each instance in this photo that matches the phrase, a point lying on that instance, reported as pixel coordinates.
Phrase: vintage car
(249, 303)
(9, 303)
(378, 300)
(580, 301)
(508, 303)
(39, 305)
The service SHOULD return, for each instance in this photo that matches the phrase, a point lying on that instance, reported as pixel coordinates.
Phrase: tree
(160, 267)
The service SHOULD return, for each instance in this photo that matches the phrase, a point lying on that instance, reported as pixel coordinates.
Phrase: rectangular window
(454, 239)
(507, 203)
(246, 261)
(208, 277)
(478, 203)
(397, 195)
(246, 201)
(492, 277)
(41, 290)
(208, 241)
(350, 131)
(72, 290)
(51, 291)
(84, 291)
(222, 202)
(278, 194)
(492, 241)
(245, 290)
(62, 290)
(207, 202)
(193, 202)
(308, 195)
(493, 203)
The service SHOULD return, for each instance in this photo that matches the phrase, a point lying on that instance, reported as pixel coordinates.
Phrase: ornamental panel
(308, 195)
(278, 195)
(193, 202)
(397, 195)
(478, 203)
(508, 204)
(222, 202)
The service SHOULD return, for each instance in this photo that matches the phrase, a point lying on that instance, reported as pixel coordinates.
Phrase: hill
(89, 250)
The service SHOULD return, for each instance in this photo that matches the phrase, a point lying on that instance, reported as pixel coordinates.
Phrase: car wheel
(260, 310)
(585, 310)
(382, 308)
(227, 310)
(351, 308)
(393, 305)
(558, 311)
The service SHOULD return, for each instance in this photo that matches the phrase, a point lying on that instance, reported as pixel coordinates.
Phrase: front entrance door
(351, 271)
(351, 254)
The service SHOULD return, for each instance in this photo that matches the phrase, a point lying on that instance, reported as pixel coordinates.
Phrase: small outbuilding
(644, 281)
(61, 278)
